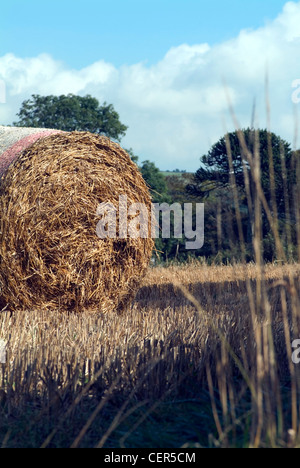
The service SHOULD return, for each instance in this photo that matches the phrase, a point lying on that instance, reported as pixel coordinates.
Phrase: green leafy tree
(169, 189)
(165, 248)
(177, 186)
(70, 113)
(227, 161)
(216, 169)
(156, 181)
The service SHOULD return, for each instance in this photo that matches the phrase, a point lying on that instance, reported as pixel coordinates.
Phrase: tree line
(248, 181)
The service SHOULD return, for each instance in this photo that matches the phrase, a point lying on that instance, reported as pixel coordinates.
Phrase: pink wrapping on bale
(13, 140)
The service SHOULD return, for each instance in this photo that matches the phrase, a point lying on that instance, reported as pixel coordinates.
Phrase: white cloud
(175, 109)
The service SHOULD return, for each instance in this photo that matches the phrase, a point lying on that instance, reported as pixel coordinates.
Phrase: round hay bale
(50, 253)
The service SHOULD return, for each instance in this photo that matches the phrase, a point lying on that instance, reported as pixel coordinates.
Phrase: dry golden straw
(50, 254)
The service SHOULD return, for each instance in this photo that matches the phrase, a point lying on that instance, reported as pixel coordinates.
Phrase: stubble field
(203, 357)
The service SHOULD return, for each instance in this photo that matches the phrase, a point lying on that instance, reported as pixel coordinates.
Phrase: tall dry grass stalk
(266, 380)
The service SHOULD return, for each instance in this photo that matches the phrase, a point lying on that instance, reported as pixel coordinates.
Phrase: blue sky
(123, 31)
(161, 63)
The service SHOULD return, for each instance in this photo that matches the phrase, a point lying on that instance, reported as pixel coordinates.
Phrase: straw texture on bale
(50, 254)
